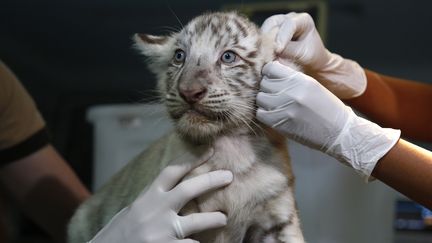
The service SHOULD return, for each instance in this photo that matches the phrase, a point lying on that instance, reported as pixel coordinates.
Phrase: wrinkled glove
(153, 217)
(299, 107)
(298, 40)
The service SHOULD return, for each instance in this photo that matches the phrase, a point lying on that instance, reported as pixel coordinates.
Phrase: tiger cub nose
(193, 94)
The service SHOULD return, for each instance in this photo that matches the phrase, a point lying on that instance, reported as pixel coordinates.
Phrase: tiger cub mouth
(198, 114)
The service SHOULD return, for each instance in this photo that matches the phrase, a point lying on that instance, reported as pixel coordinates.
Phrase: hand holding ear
(297, 39)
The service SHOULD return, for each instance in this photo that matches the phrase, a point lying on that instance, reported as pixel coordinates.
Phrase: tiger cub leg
(281, 224)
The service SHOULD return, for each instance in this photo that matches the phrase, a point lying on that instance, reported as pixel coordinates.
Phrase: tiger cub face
(208, 73)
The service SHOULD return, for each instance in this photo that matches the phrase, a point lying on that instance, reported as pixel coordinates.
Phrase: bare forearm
(47, 189)
(407, 169)
(397, 103)
(404, 105)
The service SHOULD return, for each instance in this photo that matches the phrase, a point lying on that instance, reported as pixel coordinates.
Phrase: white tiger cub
(208, 76)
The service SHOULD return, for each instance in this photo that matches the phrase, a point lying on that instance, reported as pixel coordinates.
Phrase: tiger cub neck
(238, 152)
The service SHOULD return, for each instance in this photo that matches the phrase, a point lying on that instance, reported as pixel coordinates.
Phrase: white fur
(259, 203)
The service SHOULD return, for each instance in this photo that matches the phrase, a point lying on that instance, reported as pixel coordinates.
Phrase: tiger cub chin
(208, 76)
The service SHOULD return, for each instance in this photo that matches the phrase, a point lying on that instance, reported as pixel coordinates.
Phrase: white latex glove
(153, 217)
(299, 107)
(298, 40)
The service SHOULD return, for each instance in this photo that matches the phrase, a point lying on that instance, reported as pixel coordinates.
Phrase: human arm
(389, 101)
(34, 174)
(46, 188)
(153, 216)
(408, 169)
(299, 107)
(394, 102)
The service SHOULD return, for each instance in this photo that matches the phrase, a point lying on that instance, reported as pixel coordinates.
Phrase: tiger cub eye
(228, 57)
(179, 56)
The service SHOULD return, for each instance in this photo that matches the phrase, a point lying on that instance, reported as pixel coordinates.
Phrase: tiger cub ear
(150, 45)
(155, 49)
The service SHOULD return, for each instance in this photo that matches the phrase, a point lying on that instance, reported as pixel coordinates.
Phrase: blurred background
(75, 55)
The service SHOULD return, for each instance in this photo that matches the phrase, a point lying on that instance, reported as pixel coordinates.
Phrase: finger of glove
(276, 70)
(273, 118)
(290, 46)
(304, 24)
(277, 86)
(295, 50)
(285, 27)
(272, 22)
(297, 28)
(198, 222)
(193, 187)
(275, 21)
(272, 101)
(289, 31)
(173, 173)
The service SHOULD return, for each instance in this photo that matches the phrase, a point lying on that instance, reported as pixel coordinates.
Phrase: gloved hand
(299, 107)
(153, 217)
(298, 40)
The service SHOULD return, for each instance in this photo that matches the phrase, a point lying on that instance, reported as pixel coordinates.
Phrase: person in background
(49, 191)
(32, 172)
(307, 108)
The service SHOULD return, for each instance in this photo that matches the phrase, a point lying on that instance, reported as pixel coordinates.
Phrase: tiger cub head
(208, 73)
